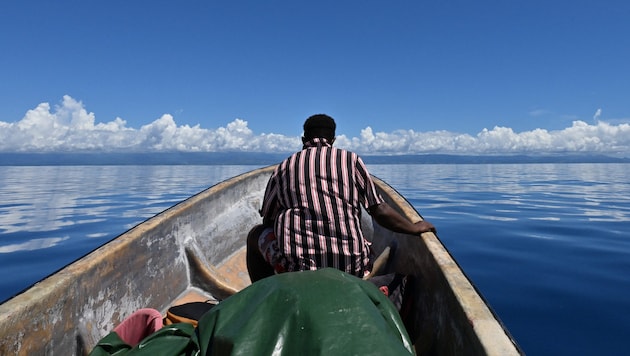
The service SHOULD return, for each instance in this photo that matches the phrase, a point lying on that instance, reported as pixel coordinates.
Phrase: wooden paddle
(379, 263)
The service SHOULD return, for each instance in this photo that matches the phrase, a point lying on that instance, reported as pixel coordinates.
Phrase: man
(312, 210)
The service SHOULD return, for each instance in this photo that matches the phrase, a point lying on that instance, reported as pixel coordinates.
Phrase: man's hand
(391, 219)
(424, 226)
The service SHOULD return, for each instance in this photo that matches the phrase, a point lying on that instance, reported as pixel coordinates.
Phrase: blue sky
(399, 77)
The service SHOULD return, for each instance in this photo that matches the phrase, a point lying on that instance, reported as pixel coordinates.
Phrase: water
(548, 245)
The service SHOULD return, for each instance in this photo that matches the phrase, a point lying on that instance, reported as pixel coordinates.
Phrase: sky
(412, 77)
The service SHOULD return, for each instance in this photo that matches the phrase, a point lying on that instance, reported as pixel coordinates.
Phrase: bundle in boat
(326, 312)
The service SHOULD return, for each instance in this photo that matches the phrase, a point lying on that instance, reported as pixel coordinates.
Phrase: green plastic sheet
(324, 312)
(172, 340)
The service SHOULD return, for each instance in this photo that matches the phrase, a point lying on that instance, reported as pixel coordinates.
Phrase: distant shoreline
(253, 158)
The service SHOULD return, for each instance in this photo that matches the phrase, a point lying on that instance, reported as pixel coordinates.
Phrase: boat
(195, 250)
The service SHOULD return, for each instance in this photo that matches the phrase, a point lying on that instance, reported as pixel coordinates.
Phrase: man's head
(319, 125)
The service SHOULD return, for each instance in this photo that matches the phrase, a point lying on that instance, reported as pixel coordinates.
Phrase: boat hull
(198, 247)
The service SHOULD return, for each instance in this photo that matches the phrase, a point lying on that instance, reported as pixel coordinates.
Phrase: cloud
(598, 113)
(539, 112)
(69, 127)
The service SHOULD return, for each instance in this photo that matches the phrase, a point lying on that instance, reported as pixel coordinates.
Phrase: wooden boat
(196, 250)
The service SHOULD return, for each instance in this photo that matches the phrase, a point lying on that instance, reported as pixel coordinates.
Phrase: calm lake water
(548, 245)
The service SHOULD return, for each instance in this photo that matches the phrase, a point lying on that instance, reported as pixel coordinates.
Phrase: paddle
(379, 263)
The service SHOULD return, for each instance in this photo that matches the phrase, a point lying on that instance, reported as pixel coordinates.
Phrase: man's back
(319, 192)
(312, 210)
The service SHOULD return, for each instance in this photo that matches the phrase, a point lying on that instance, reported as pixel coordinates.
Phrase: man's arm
(392, 220)
(269, 209)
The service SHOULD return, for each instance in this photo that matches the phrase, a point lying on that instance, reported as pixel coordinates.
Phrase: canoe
(196, 250)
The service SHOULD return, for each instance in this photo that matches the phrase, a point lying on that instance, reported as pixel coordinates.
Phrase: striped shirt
(314, 198)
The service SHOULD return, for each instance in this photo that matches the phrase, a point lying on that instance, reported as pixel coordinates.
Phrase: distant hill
(485, 159)
(165, 158)
(254, 158)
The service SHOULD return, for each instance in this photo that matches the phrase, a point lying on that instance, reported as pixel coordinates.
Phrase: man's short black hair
(320, 125)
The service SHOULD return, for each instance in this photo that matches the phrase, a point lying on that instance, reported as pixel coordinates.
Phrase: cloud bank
(69, 127)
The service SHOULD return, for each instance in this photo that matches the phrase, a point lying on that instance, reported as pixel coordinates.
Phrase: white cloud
(70, 127)
(539, 112)
(597, 114)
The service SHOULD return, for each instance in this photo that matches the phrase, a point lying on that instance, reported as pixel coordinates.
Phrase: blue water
(548, 245)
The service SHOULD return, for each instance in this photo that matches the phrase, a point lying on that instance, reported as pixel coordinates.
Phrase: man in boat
(312, 210)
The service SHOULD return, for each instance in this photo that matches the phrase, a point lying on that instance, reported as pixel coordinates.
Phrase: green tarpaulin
(325, 312)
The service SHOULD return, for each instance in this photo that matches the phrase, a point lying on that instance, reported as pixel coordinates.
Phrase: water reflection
(540, 241)
(35, 244)
(53, 198)
(528, 191)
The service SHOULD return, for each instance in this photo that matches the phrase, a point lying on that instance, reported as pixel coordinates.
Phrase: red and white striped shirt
(314, 198)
